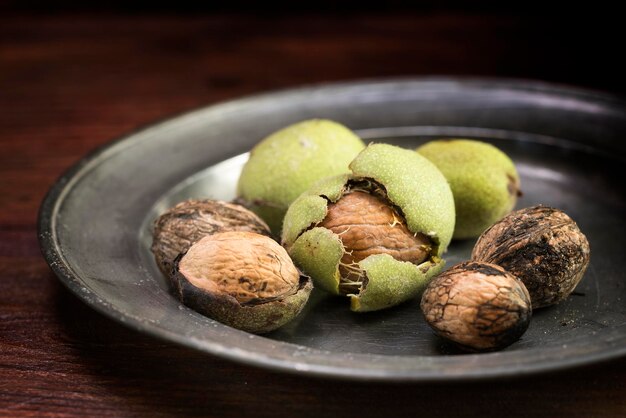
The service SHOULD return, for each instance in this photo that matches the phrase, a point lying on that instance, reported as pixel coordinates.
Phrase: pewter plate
(568, 145)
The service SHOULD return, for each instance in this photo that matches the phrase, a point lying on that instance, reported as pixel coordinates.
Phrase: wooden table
(72, 82)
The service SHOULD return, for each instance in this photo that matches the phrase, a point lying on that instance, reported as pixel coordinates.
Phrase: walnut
(184, 224)
(478, 306)
(376, 235)
(242, 279)
(289, 161)
(540, 245)
(368, 224)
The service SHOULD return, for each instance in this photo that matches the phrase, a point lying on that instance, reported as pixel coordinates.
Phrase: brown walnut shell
(541, 246)
(242, 279)
(184, 224)
(368, 224)
(478, 306)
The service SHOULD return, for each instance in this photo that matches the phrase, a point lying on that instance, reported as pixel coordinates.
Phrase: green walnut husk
(408, 184)
(289, 161)
(483, 179)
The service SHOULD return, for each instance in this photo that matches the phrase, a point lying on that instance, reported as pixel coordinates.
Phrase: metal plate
(569, 148)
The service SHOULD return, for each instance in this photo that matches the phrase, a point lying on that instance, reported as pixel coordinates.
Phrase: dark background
(75, 75)
(578, 44)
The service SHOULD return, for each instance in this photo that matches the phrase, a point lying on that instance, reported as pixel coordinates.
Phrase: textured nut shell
(368, 225)
(289, 161)
(479, 306)
(543, 247)
(483, 179)
(241, 279)
(244, 265)
(184, 224)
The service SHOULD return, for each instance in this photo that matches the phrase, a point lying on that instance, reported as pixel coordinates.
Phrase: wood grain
(72, 82)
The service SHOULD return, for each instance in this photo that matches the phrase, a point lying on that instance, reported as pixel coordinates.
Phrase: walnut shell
(540, 245)
(478, 306)
(368, 224)
(184, 224)
(242, 279)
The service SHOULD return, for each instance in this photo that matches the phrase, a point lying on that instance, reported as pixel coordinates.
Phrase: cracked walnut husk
(375, 235)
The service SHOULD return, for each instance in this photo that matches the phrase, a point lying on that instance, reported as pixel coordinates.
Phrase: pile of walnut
(372, 223)
(531, 258)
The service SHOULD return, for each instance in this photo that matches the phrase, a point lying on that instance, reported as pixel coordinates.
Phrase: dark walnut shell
(184, 224)
(478, 306)
(541, 246)
(242, 279)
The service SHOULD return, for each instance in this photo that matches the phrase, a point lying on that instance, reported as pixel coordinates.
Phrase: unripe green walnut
(375, 235)
(289, 161)
(483, 179)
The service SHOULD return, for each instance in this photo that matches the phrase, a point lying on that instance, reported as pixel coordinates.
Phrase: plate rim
(55, 196)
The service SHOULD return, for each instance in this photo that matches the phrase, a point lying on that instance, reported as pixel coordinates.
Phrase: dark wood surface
(72, 82)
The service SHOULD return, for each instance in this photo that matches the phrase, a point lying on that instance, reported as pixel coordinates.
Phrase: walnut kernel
(367, 224)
